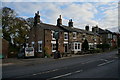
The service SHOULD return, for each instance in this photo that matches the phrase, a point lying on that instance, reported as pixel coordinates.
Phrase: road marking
(105, 63)
(87, 62)
(78, 71)
(104, 60)
(59, 76)
(65, 75)
(40, 73)
(55, 70)
(34, 74)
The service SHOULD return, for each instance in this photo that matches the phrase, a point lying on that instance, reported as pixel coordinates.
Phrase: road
(103, 65)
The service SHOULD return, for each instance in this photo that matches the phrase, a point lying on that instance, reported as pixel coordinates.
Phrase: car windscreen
(29, 49)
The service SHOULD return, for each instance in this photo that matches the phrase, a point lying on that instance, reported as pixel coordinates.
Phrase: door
(66, 47)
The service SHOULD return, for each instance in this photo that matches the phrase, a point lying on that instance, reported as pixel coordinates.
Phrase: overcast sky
(103, 14)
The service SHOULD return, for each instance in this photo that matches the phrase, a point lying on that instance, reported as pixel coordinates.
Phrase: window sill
(53, 50)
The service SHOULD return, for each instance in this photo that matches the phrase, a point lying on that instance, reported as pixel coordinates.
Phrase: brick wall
(5, 47)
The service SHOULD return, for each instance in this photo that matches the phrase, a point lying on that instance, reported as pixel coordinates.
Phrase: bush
(13, 51)
(103, 46)
(48, 55)
(85, 45)
(97, 50)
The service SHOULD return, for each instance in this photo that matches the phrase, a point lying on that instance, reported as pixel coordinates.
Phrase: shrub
(48, 55)
(85, 45)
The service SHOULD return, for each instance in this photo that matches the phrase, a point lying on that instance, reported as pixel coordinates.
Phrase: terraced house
(108, 37)
(42, 37)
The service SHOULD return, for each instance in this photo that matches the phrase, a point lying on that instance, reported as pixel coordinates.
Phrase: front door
(66, 47)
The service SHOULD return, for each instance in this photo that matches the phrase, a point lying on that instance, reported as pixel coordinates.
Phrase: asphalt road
(90, 66)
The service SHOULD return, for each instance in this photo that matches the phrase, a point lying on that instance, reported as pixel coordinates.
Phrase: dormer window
(74, 35)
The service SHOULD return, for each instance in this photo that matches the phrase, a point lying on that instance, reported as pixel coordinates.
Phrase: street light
(56, 54)
(27, 37)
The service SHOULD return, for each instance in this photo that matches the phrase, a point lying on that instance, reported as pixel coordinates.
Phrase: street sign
(56, 35)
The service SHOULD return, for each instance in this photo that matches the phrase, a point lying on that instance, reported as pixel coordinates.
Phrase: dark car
(21, 53)
(26, 52)
(118, 50)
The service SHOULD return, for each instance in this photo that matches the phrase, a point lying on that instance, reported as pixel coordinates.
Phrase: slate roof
(73, 29)
(64, 28)
(49, 26)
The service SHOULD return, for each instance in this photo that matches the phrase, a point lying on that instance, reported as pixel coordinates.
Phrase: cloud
(60, 0)
(103, 14)
(110, 18)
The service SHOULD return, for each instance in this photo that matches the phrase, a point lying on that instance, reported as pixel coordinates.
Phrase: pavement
(16, 61)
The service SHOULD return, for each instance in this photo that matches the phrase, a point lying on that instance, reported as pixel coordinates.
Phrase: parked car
(21, 53)
(118, 50)
(1, 56)
(26, 52)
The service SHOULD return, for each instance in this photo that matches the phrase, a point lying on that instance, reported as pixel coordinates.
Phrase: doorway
(66, 47)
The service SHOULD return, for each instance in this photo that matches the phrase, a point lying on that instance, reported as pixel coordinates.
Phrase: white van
(29, 52)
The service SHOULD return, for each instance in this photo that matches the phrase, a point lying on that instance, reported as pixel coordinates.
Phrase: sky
(103, 14)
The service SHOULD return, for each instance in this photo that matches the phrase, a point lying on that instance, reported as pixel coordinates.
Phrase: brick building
(42, 38)
(5, 47)
(108, 37)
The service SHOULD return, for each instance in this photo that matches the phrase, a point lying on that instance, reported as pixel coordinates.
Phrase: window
(109, 35)
(66, 36)
(74, 35)
(53, 35)
(95, 39)
(39, 46)
(78, 45)
(75, 45)
(33, 44)
(53, 47)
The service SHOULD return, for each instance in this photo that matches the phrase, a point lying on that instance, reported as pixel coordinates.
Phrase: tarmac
(16, 61)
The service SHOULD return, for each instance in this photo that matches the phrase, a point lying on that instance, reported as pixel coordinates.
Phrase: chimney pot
(59, 21)
(70, 23)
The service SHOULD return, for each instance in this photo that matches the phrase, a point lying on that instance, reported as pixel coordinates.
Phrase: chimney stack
(87, 28)
(95, 29)
(59, 21)
(70, 23)
(37, 18)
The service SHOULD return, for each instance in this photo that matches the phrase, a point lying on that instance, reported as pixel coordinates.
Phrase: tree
(30, 21)
(15, 29)
(85, 45)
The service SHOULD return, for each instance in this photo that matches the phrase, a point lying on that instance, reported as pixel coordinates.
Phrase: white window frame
(78, 48)
(75, 46)
(91, 45)
(109, 36)
(52, 35)
(65, 33)
(74, 33)
(39, 47)
(53, 42)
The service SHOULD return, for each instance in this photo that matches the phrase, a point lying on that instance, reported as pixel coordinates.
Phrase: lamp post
(12, 38)
(27, 40)
(56, 54)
